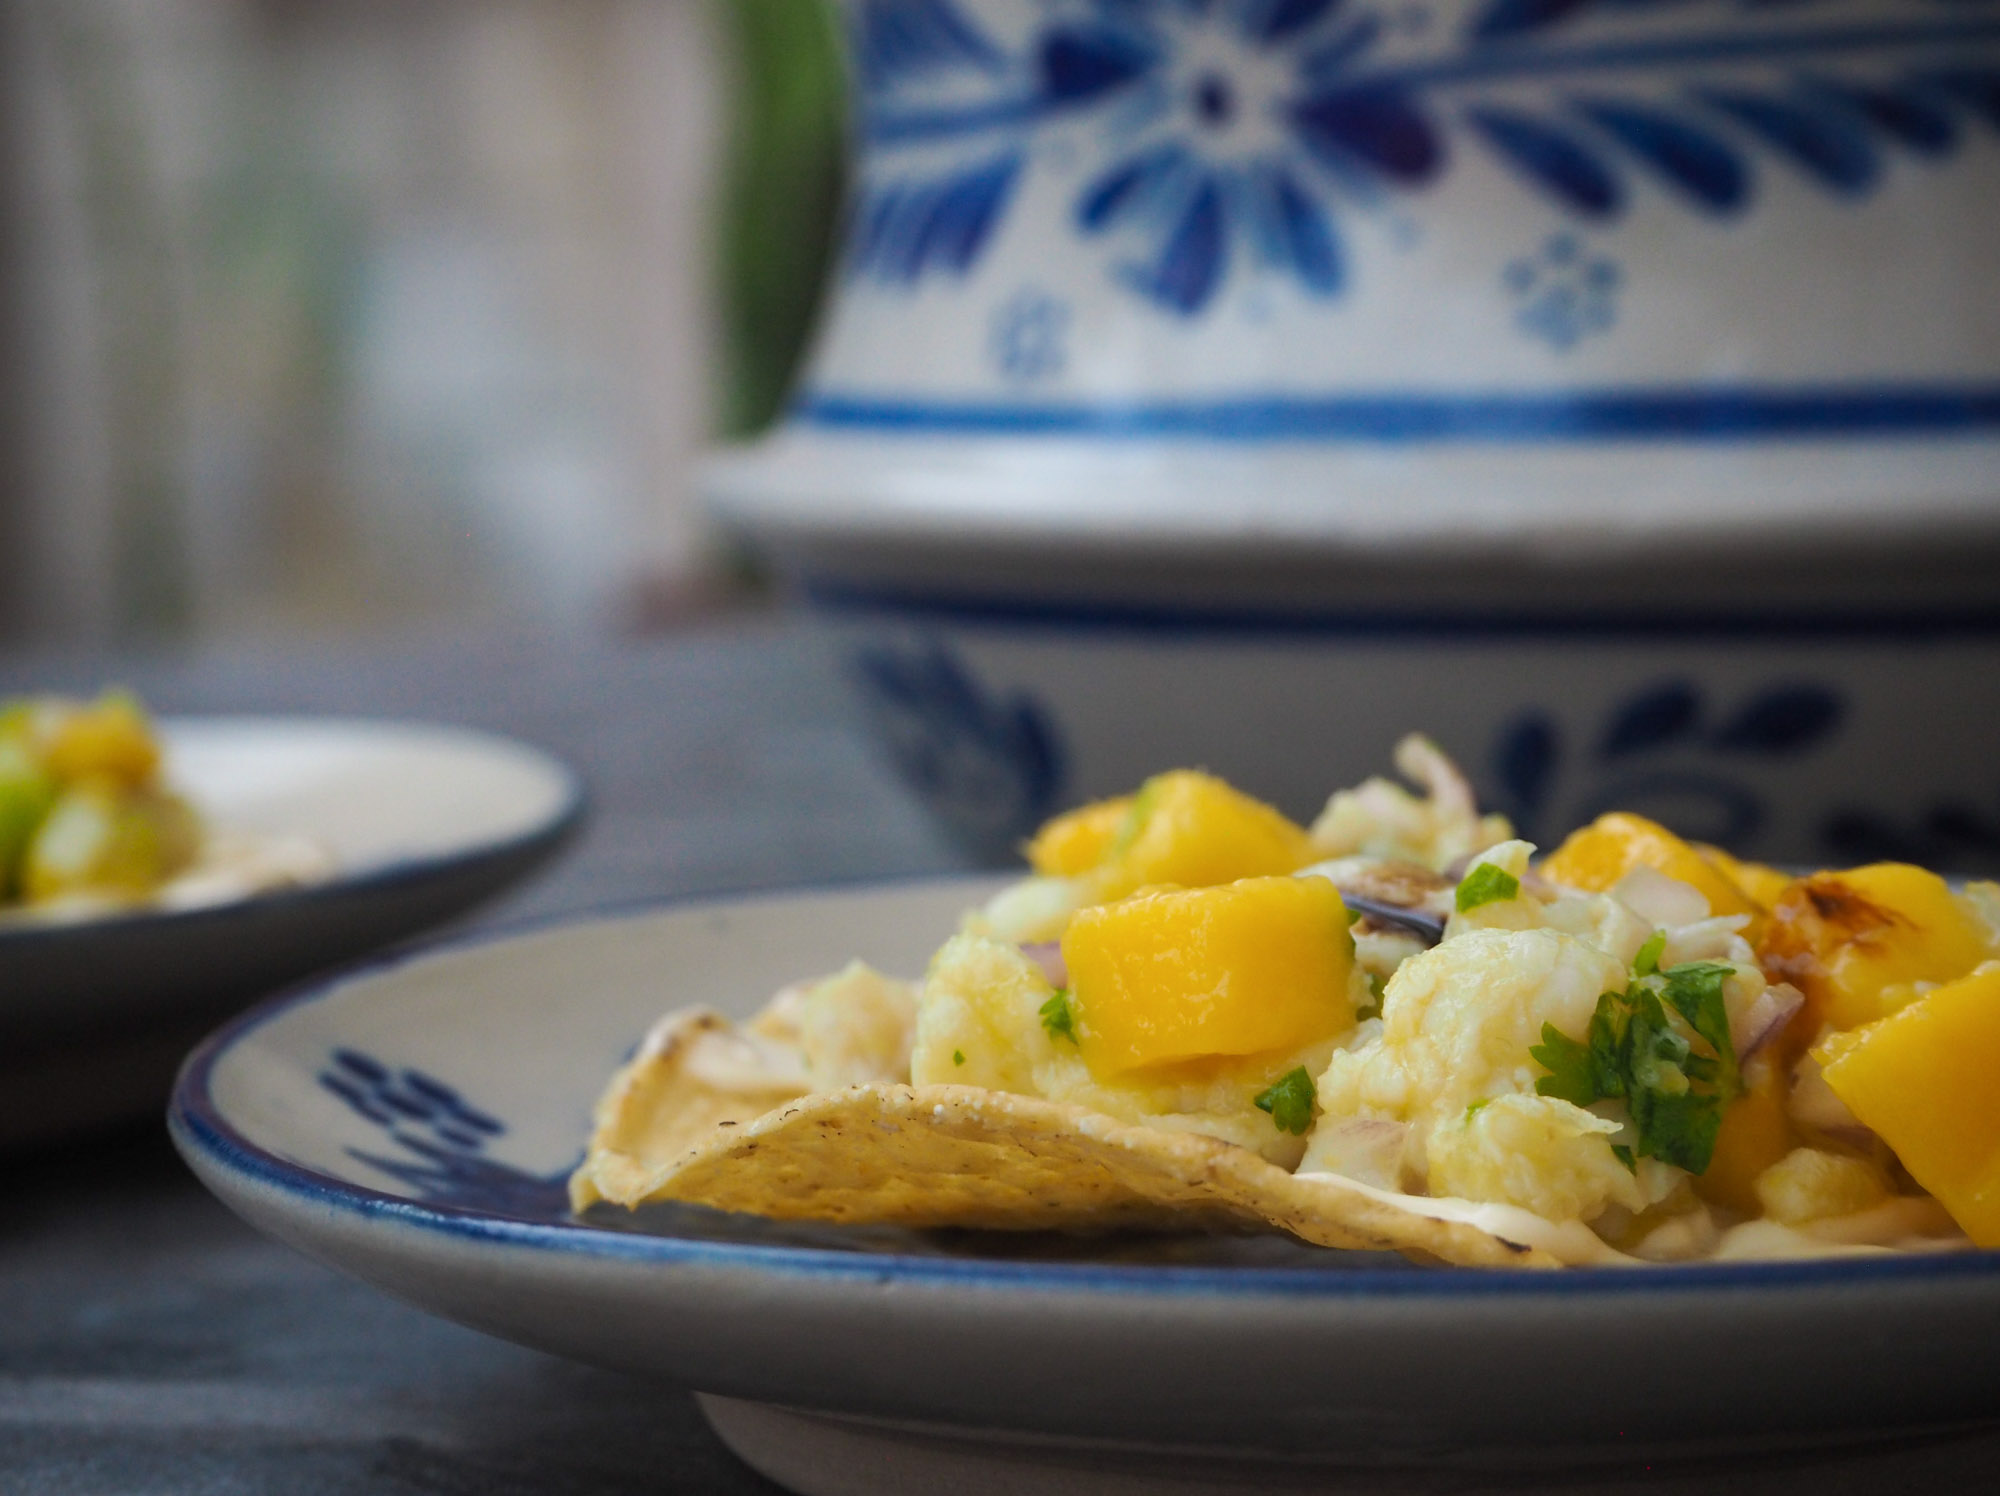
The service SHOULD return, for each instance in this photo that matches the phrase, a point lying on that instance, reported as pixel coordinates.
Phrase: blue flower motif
(1236, 126)
(1236, 130)
(1566, 294)
(1029, 336)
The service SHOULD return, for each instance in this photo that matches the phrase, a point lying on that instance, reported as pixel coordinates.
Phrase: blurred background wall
(352, 314)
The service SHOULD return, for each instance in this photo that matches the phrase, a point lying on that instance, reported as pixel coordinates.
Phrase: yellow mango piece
(1764, 883)
(1755, 1134)
(1246, 968)
(1857, 942)
(1598, 855)
(1922, 1080)
(1188, 828)
(1074, 843)
(108, 739)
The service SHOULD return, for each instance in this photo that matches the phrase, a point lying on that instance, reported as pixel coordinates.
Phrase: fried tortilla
(701, 1116)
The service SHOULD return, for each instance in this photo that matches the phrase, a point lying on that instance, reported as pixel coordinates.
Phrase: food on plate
(88, 821)
(1393, 1028)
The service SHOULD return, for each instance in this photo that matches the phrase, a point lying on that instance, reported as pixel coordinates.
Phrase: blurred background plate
(423, 824)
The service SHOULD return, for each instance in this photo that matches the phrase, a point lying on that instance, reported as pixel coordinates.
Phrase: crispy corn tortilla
(692, 1120)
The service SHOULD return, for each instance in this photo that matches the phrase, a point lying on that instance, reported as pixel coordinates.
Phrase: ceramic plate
(414, 1125)
(419, 824)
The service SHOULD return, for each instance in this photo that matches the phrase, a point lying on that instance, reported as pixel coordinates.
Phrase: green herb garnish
(1648, 960)
(1486, 884)
(1056, 1016)
(1290, 1102)
(958, 1057)
(1373, 1009)
(1641, 1050)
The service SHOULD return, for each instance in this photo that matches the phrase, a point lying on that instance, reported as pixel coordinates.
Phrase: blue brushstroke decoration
(1818, 140)
(1552, 158)
(1783, 720)
(441, 1140)
(1654, 718)
(1706, 168)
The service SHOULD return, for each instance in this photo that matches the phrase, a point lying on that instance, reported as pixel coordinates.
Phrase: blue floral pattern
(1228, 133)
(1633, 763)
(1565, 293)
(989, 766)
(441, 1140)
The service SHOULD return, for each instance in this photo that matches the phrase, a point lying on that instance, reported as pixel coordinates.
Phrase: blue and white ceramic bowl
(414, 1125)
(1511, 327)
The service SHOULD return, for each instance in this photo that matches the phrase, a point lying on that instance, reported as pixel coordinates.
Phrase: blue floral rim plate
(413, 1124)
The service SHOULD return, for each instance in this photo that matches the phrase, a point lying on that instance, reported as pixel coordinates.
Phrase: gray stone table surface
(151, 1343)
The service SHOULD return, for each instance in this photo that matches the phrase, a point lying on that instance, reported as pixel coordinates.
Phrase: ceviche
(1398, 1027)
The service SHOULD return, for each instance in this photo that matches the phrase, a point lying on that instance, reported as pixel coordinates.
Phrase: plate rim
(550, 833)
(202, 1133)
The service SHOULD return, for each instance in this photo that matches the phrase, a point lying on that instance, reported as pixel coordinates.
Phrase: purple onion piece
(1766, 1018)
(1047, 954)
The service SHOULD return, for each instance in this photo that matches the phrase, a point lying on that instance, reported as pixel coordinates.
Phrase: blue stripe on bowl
(1701, 414)
(837, 595)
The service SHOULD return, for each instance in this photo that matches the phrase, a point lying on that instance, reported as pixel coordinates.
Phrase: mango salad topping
(83, 813)
(1397, 1027)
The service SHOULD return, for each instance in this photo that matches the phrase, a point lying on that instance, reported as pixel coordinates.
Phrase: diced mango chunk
(108, 739)
(1188, 828)
(1923, 1080)
(1076, 842)
(1858, 942)
(1598, 855)
(1171, 975)
(1755, 1134)
(1764, 883)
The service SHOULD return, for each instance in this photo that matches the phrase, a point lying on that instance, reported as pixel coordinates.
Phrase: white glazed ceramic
(413, 1125)
(1806, 738)
(421, 823)
(1378, 273)
(1611, 389)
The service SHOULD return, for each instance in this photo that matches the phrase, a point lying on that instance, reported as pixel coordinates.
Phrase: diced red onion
(1047, 954)
(1765, 1018)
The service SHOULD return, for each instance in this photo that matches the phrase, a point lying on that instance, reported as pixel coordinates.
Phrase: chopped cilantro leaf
(1637, 1051)
(1477, 1107)
(958, 1057)
(1486, 884)
(1624, 1155)
(1056, 1016)
(1571, 1076)
(1695, 990)
(1290, 1102)
(1648, 960)
(1679, 1130)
